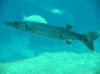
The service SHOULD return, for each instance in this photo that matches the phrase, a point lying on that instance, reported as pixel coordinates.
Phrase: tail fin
(89, 38)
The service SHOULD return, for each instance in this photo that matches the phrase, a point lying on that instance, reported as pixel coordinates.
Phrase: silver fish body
(45, 30)
(55, 32)
(51, 31)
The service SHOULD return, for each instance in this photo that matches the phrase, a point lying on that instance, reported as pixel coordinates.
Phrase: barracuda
(56, 32)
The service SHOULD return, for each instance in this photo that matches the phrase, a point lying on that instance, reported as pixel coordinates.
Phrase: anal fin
(68, 42)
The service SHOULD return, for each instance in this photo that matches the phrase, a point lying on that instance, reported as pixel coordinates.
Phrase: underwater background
(15, 45)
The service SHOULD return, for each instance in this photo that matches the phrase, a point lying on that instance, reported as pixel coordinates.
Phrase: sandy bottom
(55, 63)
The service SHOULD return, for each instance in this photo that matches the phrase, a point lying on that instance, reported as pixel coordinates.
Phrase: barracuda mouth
(17, 25)
(6, 23)
(9, 23)
(12, 24)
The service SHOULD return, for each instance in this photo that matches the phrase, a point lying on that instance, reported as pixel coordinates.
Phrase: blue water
(16, 45)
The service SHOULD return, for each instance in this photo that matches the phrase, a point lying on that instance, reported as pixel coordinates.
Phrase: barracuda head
(17, 25)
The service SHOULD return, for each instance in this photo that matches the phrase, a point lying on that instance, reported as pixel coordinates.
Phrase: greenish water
(27, 53)
(16, 45)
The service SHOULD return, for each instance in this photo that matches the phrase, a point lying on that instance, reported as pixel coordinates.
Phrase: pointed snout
(11, 24)
(8, 23)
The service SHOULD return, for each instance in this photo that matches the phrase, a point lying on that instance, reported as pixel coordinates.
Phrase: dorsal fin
(68, 27)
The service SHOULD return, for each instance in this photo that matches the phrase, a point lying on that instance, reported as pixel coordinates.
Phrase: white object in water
(35, 18)
(57, 11)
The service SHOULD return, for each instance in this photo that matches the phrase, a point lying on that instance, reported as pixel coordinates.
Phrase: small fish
(63, 33)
